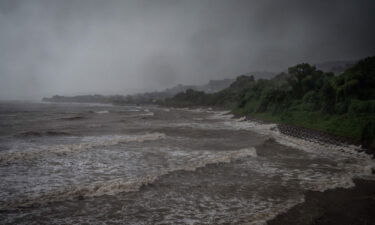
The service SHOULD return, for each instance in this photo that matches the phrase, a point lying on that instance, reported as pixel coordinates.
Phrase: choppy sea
(103, 164)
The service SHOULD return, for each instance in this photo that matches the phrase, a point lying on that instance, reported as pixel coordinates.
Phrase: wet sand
(354, 206)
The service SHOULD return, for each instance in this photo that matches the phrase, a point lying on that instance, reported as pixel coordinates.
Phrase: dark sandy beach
(354, 206)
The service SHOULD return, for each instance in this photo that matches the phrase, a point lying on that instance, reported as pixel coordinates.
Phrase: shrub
(358, 106)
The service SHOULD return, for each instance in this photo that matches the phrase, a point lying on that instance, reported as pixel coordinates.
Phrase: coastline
(353, 206)
(311, 135)
(299, 131)
(344, 206)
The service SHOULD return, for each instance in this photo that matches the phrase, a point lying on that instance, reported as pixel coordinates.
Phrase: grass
(346, 125)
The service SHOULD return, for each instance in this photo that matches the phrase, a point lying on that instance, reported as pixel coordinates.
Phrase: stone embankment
(321, 137)
(316, 136)
(313, 135)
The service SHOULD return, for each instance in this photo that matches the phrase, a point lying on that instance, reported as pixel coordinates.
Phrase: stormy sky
(99, 46)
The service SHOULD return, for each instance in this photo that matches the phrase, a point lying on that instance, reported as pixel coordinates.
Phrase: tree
(328, 94)
(296, 76)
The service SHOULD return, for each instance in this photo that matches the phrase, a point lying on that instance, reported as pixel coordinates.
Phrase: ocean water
(103, 164)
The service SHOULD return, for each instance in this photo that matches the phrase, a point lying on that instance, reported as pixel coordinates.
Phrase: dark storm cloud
(72, 47)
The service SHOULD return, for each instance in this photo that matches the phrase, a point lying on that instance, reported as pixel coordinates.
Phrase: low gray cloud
(90, 46)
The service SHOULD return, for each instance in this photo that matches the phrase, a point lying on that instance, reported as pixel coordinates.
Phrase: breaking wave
(271, 130)
(86, 143)
(102, 112)
(355, 161)
(147, 114)
(112, 187)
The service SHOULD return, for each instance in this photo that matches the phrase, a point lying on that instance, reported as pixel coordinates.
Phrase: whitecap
(102, 112)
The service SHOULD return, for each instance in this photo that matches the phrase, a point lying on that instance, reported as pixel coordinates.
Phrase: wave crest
(272, 130)
(87, 143)
(119, 185)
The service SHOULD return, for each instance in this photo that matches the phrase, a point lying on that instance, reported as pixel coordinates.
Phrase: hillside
(151, 97)
(342, 104)
(142, 98)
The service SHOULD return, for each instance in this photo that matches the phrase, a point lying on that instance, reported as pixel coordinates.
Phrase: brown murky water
(102, 164)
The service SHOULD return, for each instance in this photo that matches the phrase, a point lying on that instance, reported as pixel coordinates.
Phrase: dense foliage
(343, 104)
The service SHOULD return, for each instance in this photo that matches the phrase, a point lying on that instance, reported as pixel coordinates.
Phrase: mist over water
(93, 163)
(124, 47)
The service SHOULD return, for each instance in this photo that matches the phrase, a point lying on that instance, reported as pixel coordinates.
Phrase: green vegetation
(341, 104)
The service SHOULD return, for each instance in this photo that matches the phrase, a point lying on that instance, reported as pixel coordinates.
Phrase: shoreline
(344, 206)
(287, 129)
(353, 206)
(311, 135)
(305, 133)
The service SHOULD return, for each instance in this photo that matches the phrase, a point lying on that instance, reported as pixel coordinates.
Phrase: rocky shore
(315, 135)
